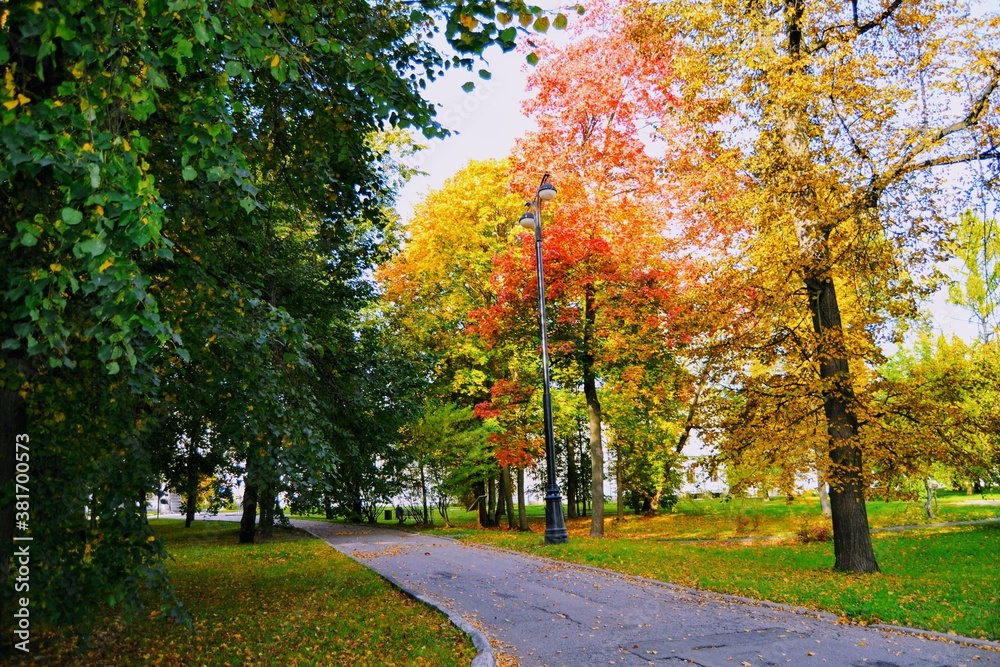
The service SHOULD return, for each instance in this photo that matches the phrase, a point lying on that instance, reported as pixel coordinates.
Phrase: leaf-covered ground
(934, 579)
(289, 601)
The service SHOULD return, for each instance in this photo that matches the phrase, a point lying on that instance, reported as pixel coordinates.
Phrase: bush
(811, 531)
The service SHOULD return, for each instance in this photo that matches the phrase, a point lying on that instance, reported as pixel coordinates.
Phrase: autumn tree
(976, 244)
(608, 278)
(850, 128)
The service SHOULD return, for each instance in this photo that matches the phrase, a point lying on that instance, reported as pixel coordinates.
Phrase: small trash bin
(388, 515)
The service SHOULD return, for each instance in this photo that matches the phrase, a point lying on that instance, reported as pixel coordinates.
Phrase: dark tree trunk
(522, 513)
(191, 483)
(482, 517)
(852, 544)
(505, 506)
(267, 501)
(423, 491)
(571, 479)
(491, 500)
(619, 490)
(247, 523)
(327, 507)
(594, 413)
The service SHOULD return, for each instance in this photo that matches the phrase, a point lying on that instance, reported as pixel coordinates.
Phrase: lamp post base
(555, 523)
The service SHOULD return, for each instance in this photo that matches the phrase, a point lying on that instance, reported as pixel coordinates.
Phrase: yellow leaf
(125, 144)
(23, 99)
(108, 262)
(11, 104)
(275, 60)
(99, 210)
(278, 16)
(55, 268)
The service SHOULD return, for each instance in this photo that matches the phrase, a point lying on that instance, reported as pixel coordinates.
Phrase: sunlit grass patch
(290, 601)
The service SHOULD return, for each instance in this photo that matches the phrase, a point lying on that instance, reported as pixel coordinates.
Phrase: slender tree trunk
(423, 491)
(482, 517)
(571, 479)
(929, 502)
(594, 413)
(824, 499)
(508, 497)
(619, 491)
(247, 523)
(327, 506)
(522, 513)
(491, 500)
(193, 477)
(852, 543)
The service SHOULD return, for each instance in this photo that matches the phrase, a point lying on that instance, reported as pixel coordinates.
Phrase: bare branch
(857, 30)
(908, 163)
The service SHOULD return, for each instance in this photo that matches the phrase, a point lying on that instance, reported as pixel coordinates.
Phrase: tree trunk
(929, 503)
(491, 500)
(824, 499)
(327, 507)
(594, 413)
(482, 518)
(193, 477)
(619, 491)
(571, 478)
(423, 491)
(522, 513)
(852, 542)
(267, 502)
(247, 523)
(508, 497)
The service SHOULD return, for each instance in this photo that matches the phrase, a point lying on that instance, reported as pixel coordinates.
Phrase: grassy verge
(290, 601)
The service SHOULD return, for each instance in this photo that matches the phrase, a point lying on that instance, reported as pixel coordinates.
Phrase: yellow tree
(851, 129)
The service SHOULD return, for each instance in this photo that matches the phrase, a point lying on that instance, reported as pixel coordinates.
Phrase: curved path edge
(802, 611)
(484, 656)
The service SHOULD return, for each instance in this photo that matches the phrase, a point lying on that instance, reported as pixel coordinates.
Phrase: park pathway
(553, 614)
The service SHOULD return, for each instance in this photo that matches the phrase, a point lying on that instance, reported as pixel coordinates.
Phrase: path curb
(801, 611)
(484, 656)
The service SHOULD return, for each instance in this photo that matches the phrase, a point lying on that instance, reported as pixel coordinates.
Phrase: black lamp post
(555, 524)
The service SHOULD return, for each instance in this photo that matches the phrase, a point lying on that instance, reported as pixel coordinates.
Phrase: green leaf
(184, 48)
(200, 32)
(247, 204)
(183, 354)
(541, 24)
(468, 86)
(93, 246)
(4, 54)
(28, 239)
(560, 22)
(71, 216)
(532, 59)
(485, 74)
(189, 173)
(234, 68)
(113, 368)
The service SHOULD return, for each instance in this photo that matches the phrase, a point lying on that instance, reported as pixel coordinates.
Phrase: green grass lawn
(935, 579)
(290, 601)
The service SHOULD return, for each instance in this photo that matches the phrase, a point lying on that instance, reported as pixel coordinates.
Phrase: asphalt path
(553, 614)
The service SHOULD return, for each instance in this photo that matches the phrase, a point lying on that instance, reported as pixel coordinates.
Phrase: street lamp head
(527, 220)
(547, 192)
